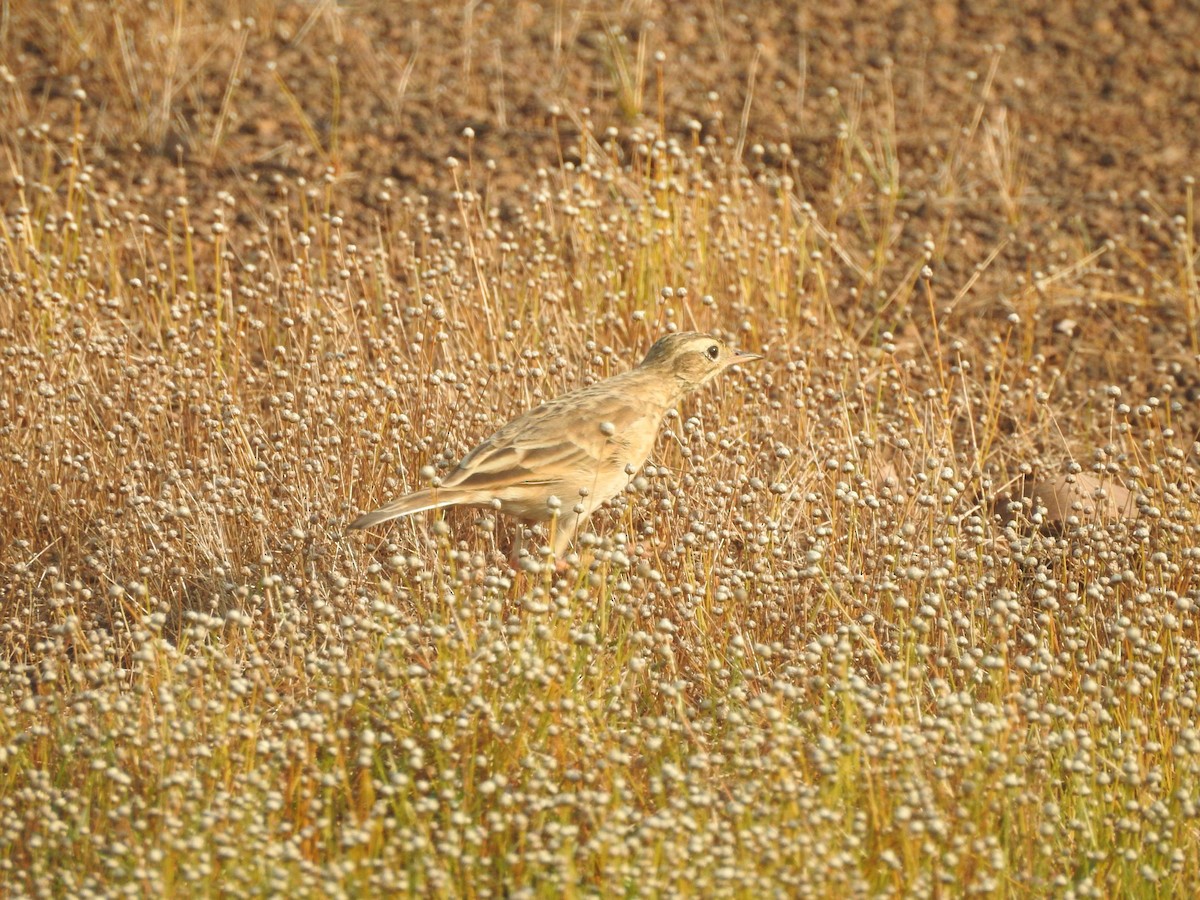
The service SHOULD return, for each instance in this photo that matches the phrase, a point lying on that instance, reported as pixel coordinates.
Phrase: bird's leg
(514, 558)
(564, 531)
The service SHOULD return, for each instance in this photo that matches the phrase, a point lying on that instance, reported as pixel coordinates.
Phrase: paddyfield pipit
(570, 455)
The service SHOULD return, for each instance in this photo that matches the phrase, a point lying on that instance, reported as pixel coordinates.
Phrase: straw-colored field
(908, 608)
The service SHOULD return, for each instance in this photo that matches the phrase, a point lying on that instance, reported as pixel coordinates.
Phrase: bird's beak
(744, 356)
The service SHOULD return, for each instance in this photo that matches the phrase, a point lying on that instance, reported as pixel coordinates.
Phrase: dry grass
(821, 646)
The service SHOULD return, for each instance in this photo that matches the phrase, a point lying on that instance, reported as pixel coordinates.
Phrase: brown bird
(571, 454)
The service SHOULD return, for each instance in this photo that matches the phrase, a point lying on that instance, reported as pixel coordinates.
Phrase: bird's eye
(713, 351)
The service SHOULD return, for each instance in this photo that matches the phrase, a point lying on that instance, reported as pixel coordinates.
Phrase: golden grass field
(907, 609)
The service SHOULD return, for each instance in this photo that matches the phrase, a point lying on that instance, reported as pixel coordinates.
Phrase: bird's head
(694, 358)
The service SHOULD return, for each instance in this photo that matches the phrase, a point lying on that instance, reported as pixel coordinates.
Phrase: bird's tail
(416, 502)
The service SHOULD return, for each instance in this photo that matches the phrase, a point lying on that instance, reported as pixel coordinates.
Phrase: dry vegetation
(909, 608)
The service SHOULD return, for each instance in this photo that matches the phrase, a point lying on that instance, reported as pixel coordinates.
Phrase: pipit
(570, 455)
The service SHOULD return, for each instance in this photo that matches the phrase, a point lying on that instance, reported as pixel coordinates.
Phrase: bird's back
(573, 441)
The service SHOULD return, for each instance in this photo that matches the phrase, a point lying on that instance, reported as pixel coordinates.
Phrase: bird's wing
(568, 438)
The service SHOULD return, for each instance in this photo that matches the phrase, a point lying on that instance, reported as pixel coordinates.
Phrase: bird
(572, 454)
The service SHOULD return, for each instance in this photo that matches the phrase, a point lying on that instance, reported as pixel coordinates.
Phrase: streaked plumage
(588, 440)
